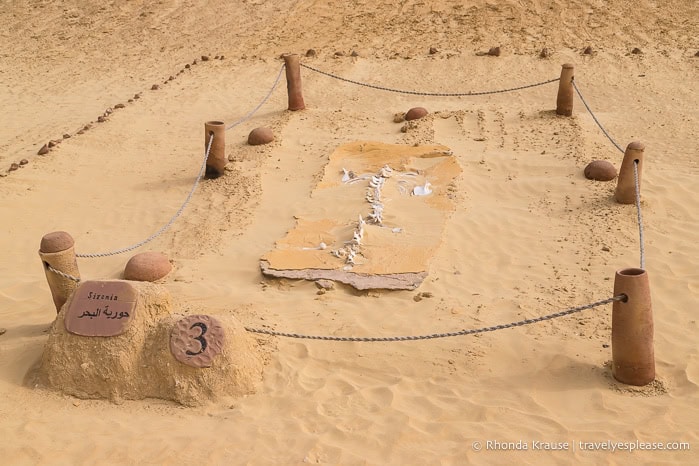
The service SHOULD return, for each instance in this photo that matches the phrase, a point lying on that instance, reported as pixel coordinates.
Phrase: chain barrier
(431, 94)
(639, 216)
(63, 274)
(253, 111)
(595, 118)
(439, 335)
(168, 224)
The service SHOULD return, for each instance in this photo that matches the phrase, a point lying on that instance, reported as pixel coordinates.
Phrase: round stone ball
(261, 135)
(147, 267)
(600, 170)
(415, 113)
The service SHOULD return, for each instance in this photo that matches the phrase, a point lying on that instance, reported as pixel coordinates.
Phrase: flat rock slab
(393, 254)
(101, 309)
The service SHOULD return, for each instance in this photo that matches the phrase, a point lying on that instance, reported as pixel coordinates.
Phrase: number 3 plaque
(197, 340)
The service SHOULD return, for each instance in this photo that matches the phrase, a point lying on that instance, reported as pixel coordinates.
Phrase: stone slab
(196, 340)
(101, 309)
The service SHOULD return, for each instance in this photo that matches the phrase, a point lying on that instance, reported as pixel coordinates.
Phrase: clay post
(293, 82)
(57, 250)
(633, 361)
(564, 101)
(216, 163)
(626, 183)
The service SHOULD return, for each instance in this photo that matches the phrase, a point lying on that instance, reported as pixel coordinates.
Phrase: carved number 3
(200, 338)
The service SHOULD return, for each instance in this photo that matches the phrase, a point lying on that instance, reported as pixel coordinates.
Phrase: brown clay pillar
(564, 101)
(633, 360)
(293, 82)
(626, 183)
(57, 250)
(216, 163)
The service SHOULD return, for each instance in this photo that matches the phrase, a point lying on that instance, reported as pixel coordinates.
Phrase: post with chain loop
(216, 161)
(57, 251)
(633, 360)
(293, 81)
(564, 101)
(626, 183)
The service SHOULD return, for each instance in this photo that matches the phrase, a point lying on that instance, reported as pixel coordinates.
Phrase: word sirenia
(108, 297)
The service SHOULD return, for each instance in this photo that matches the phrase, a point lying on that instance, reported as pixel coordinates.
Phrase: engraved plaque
(101, 309)
(196, 340)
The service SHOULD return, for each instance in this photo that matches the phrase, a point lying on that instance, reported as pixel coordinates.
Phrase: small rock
(588, 50)
(606, 248)
(187, 66)
(130, 101)
(404, 128)
(204, 58)
(171, 78)
(87, 127)
(636, 51)
(433, 50)
(416, 113)
(119, 106)
(545, 53)
(108, 111)
(154, 87)
(82, 131)
(52, 143)
(399, 117)
(310, 53)
(339, 53)
(195, 62)
(3, 331)
(44, 150)
(76, 403)
(697, 54)
(494, 51)
(66, 136)
(147, 267)
(427, 294)
(13, 167)
(605, 345)
(354, 53)
(222, 57)
(261, 135)
(321, 291)
(101, 119)
(136, 96)
(417, 298)
(23, 162)
(324, 284)
(216, 57)
(600, 170)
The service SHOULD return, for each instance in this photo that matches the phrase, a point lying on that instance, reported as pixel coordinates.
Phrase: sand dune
(529, 235)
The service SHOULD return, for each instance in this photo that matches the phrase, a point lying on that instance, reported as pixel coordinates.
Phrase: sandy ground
(529, 235)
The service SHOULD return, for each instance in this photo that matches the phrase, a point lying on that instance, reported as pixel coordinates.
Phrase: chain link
(639, 216)
(431, 94)
(168, 224)
(253, 111)
(595, 118)
(439, 335)
(63, 274)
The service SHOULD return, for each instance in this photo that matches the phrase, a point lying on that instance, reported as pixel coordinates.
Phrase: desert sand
(528, 235)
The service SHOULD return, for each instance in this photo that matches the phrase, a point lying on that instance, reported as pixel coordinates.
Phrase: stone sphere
(416, 113)
(147, 267)
(261, 135)
(600, 170)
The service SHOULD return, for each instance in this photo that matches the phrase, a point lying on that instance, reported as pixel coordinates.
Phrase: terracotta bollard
(293, 82)
(564, 101)
(216, 163)
(633, 360)
(626, 184)
(57, 250)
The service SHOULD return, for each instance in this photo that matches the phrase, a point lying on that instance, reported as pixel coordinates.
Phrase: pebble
(636, 51)
(588, 50)
(23, 162)
(187, 66)
(53, 143)
(545, 53)
(416, 113)
(44, 150)
(154, 87)
(13, 167)
(101, 119)
(494, 51)
(600, 170)
(3, 331)
(324, 284)
(119, 106)
(66, 136)
(433, 50)
(204, 58)
(310, 53)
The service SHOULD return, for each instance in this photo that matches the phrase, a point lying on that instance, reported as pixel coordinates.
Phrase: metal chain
(595, 118)
(168, 224)
(432, 94)
(253, 111)
(63, 274)
(640, 218)
(439, 335)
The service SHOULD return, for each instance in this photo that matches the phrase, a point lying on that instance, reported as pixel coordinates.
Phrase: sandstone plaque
(196, 340)
(101, 308)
